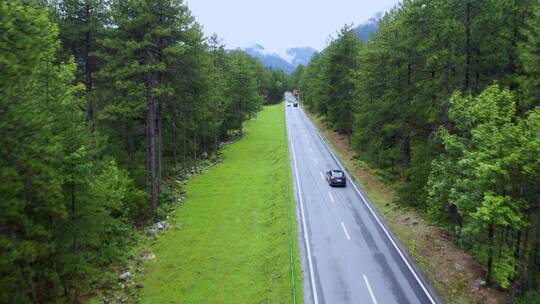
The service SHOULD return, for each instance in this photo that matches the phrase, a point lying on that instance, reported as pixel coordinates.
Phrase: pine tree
(341, 70)
(141, 51)
(529, 56)
(82, 24)
(243, 91)
(31, 187)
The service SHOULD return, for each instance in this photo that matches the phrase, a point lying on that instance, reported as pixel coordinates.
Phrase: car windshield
(337, 174)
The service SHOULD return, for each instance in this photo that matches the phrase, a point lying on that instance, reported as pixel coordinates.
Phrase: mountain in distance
(288, 62)
(302, 55)
(369, 27)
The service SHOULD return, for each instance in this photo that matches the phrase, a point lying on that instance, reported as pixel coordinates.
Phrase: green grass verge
(229, 241)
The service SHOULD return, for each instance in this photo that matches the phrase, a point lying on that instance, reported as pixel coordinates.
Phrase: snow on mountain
(287, 61)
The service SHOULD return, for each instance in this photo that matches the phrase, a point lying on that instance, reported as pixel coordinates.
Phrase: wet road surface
(348, 253)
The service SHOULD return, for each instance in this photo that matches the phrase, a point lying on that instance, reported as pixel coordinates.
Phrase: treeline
(444, 101)
(101, 101)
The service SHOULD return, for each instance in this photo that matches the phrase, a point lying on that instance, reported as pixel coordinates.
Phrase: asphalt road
(348, 253)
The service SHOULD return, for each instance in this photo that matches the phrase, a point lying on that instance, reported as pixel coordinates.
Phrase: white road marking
(306, 237)
(316, 161)
(322, 176)
(311, 150)
(346, 232)
(424, 288)
(370, 290)
(331, 197)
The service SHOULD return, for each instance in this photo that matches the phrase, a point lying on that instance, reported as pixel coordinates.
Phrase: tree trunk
(525, 251)
(88, 72)
(406, 150)
(516, 247)
(477, 68)
(409, 71)
(240, 117)
(184, 134)
(466, 84)
(147, 172)
(490, 253)
(129, 146)
(151, 112)
(536, 242)
(215, 128)
(160, 143)
(195, 149)
(74, 236)
(173, 131)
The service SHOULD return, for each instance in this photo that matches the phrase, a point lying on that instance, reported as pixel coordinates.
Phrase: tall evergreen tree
(82, 24)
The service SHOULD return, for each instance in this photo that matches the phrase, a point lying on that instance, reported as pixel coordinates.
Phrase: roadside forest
(444, 102)
(100, 102)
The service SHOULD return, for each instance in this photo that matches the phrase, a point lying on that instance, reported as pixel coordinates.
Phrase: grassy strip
(451, 271)
(229, 241)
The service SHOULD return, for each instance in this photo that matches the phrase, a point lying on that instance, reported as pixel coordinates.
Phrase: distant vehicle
(288, 104)
(336, 178)
(296, 104)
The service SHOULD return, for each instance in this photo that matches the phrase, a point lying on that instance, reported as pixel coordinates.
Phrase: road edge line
(290, 200)
(306, 237)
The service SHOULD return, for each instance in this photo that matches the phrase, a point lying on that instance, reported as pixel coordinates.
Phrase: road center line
(306, 236)
(331, 197)
(316, 161)
(370, 290)
(346, 233)
(322, 176)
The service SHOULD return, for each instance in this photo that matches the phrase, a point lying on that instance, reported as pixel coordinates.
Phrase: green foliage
(295, 78)
(278, 84)
(101, 99)
(483, 188)
(531, 297)
(31, 178)
(243, 90)
(334, 77)
(530, 57)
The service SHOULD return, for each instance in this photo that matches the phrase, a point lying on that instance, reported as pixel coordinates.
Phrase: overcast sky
(281, 24)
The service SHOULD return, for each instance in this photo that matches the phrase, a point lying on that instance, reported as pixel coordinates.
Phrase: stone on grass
(125, 276)
(148, 256)
(480, 283)
(161, 225)
(152, 232)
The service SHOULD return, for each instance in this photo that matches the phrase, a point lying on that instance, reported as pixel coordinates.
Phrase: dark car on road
(336, 178)
(295, 104)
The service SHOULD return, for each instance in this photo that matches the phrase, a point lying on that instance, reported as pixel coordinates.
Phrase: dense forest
(444, 102)
(100, 102)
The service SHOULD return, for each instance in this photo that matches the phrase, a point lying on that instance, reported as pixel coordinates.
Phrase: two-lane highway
(349, 255)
